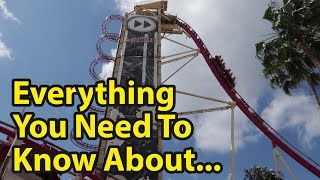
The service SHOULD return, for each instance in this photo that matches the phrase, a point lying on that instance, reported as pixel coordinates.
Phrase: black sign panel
(139, 64)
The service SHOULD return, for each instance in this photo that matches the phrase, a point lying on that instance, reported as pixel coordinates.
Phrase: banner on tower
(138, 62)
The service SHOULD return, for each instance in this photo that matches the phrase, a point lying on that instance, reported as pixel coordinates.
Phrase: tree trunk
(308, 50)
(310, 54)
(314, 93)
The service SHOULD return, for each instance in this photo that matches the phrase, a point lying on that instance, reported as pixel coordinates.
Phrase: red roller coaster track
(245, 108)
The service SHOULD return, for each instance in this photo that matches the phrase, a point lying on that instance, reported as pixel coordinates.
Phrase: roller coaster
(224, 76)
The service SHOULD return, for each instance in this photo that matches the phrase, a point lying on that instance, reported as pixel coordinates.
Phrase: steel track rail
(245, 108)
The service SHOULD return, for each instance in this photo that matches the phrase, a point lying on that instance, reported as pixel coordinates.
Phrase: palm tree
(299, 22)
(291, 56)
(313, 81)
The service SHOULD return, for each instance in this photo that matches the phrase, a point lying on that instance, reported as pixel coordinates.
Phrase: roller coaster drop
(224, 77)
(271, 133)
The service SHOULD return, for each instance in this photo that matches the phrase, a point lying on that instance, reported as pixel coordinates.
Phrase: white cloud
(212, 132)
(113, 52)
(6, 13)
(107, 68)
(5, 52)
(232, 35)
(126, 5)
(297, 112)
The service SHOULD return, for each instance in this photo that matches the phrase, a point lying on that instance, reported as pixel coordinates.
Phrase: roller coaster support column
(276, 160)
(277, 157)
(233, 106)
(159, 80)
(15, 142)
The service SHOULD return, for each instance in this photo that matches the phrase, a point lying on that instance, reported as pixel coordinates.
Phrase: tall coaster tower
(139, 58)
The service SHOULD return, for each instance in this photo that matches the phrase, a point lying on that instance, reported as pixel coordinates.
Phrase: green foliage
(297, 20)
(291, 55)
(259, 173)
(285, 65)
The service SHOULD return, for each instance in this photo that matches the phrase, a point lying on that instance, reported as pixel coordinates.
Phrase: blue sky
(53, 42)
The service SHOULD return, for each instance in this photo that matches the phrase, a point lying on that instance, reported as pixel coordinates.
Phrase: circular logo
(141, 24)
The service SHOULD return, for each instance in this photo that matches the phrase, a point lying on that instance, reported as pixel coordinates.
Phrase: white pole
(233, 105)
(276, 160)
(286, 165)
